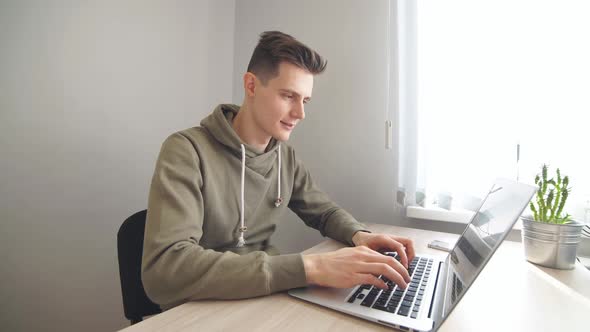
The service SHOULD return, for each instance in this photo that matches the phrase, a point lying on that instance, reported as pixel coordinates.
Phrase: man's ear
(250, 84)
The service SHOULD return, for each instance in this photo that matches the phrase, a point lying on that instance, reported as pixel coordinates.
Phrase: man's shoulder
(194, 135)
(196, 140)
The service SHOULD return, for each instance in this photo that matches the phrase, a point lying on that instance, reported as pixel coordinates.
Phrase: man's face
(279, 105)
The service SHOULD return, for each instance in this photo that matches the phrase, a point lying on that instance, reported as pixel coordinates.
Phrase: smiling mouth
(288, 125)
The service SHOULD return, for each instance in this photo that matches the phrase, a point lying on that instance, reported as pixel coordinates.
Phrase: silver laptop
(437, 285)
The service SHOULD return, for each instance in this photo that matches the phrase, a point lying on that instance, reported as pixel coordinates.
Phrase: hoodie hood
(219, 125)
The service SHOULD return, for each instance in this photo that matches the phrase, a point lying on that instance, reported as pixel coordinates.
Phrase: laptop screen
(496, 216)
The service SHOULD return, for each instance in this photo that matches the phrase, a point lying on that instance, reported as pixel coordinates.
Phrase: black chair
(136, 304)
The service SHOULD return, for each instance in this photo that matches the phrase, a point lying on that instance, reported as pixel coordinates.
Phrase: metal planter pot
(551, 245)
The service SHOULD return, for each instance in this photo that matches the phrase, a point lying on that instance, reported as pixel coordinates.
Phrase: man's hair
(275, 47)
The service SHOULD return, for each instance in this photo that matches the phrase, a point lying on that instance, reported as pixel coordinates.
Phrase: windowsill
(459, 216)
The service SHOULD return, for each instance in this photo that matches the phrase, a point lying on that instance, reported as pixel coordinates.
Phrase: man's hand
(382, 242)
(349, 267)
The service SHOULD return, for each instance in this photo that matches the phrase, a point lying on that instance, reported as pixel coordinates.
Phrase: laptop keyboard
(405, 302)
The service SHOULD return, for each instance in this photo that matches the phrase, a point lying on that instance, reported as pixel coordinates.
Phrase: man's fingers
(409, 244)
(383, 241)
(397, 266)
(403, 246)
(375, 257)
(387, 271)
(394, 245)
(369, 279)
(399, 276)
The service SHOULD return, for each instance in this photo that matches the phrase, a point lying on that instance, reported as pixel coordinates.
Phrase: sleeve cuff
(353, 229)
(361, 230)
(286, 272)
(342, 226)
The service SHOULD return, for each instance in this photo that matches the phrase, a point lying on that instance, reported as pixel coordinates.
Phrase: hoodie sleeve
(316, 209)
(175, 268)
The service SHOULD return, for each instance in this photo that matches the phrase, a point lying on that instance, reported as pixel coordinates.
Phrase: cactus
(551, 198)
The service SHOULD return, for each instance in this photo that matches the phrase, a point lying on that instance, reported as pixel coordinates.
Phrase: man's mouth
(288, 125)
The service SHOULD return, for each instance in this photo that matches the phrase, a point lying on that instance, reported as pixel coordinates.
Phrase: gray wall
(342, 138)
(88, 91)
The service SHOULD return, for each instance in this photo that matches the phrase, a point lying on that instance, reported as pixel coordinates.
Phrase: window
(476, 79)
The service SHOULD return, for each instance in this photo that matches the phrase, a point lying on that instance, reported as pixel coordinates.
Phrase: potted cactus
(550, 236)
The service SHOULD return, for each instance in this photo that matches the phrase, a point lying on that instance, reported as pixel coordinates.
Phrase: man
(219, 190)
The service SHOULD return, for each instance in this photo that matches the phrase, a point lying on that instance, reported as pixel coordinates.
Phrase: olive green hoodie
(191, 248)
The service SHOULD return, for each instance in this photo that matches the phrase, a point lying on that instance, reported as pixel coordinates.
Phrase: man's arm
(349, 266)
(318, 211)
(175, 268)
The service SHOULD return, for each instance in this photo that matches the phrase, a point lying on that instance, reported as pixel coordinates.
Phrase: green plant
(551, 198)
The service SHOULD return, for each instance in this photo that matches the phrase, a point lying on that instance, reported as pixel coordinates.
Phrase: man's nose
(298, 111)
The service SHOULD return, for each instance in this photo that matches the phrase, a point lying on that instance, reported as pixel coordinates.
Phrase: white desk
(509, 295)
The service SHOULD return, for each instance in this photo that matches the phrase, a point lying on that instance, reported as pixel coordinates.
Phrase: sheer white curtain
(476, 78)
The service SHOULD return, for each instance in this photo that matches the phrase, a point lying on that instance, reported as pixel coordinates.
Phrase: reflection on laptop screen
(489, 226)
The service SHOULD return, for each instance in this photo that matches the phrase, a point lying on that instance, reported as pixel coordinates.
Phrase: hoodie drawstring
(278, 201)
(279, 198)
(243, 228)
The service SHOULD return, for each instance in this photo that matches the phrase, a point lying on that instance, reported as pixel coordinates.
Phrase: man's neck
(245, 126)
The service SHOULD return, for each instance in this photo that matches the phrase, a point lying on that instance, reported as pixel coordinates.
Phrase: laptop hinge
(434, 290)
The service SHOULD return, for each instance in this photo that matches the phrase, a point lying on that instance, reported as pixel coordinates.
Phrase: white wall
(342, 138)
(88, 91)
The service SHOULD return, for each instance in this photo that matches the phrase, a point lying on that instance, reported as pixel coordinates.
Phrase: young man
(219, 191)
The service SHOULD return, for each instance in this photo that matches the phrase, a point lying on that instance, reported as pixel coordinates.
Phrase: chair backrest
(136, 304)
